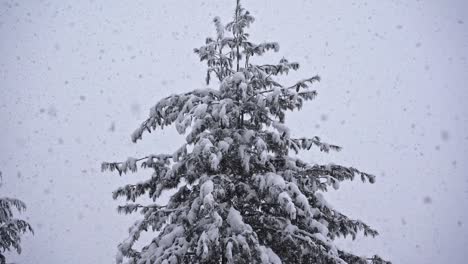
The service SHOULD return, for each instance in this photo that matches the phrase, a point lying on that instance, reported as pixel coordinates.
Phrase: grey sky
(77, 77)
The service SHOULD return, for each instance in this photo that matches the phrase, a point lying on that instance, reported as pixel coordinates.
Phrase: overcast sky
(77, 77)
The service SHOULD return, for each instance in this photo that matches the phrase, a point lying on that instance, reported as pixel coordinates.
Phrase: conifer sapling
(11, 228)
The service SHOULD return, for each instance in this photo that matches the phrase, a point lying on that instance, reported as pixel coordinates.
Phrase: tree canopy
(240, 196)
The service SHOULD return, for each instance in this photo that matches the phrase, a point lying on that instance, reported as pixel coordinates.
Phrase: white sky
(393, 94)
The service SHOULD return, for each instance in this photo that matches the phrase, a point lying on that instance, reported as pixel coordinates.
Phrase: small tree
(240, 198)
(11, 228)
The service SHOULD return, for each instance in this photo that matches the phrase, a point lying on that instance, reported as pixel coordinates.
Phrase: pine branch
(298, 85)
(130, 163)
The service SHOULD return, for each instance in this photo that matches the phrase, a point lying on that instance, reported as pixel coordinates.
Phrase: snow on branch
(298, 85)
(306, 143)
(337, 173)
(282, 68)
(7, 203)
(131, 163)
(131, 208)
(11, 228)
(174, 107)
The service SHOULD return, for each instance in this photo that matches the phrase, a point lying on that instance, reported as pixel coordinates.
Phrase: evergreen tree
(11, 228)
(240, 197)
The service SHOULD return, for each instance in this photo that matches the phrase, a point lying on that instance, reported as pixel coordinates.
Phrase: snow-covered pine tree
(240, 197)
(11, 228)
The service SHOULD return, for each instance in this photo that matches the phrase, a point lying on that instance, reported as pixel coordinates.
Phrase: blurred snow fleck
(444, 135)
(112, 127)
(52, 111)
(324, 117)
(427, 200)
